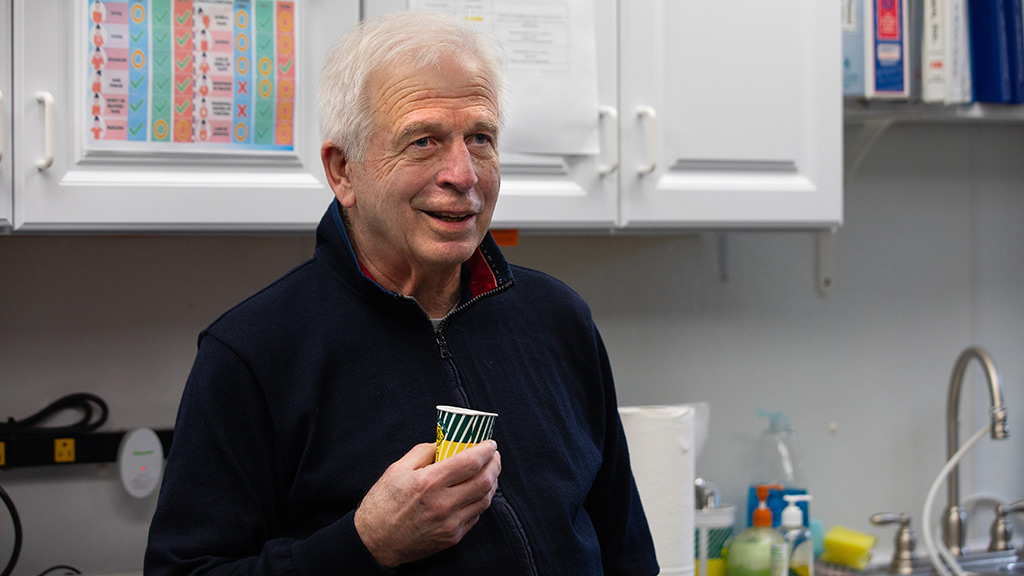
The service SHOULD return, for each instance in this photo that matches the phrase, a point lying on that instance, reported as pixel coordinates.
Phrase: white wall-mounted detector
(140, 460)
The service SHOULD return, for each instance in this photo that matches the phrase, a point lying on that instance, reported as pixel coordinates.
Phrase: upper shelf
(859, 111)
(867, 120)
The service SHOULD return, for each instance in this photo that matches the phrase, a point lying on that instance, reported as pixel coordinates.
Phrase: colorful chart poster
(184, 75)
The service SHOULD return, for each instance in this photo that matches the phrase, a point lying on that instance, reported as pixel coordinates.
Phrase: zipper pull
(442, 344)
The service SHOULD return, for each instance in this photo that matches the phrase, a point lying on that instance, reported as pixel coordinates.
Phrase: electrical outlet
(63, 450)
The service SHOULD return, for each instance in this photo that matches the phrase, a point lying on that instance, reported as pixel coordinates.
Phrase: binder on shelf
(934, 73)
(887, 53)
(989, 50)
(915, 31)
(959, 85)
(853, 46)
(1015, 45)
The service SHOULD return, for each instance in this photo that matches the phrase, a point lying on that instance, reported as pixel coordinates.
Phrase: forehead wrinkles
(407, 90)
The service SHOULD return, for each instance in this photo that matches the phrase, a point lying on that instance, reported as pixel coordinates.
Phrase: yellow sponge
(848, 547)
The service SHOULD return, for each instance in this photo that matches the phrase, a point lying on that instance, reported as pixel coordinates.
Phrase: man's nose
(457, 170)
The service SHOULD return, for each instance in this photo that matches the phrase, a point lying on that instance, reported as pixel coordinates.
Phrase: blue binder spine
(989, 51)
(1015, 42)
(892, 74)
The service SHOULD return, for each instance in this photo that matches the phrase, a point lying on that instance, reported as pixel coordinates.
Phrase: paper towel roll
(662, 452)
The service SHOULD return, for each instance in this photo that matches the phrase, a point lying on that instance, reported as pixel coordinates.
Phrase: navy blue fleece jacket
(304, 393)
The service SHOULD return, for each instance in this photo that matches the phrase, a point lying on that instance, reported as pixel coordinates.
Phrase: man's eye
(422, 142)
(481, 139)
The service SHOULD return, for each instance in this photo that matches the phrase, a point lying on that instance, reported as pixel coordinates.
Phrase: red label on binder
(887, 20)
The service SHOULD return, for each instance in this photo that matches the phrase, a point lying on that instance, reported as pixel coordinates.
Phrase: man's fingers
(466, 464)
(420, 456)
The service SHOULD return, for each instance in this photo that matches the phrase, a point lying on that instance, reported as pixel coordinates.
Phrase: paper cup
(460, 428)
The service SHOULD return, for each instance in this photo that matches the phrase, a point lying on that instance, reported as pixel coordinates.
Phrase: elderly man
(299, 444)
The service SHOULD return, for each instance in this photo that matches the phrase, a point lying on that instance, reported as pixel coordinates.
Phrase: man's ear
(336, 167)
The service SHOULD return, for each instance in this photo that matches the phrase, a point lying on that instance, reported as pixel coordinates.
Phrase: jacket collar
(487, 268)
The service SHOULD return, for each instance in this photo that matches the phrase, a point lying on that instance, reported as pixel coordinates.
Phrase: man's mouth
(449, 217)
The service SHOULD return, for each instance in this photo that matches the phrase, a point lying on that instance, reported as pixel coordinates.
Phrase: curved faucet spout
(955, 518)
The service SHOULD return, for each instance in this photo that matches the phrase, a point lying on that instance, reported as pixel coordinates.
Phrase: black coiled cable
(84, 401)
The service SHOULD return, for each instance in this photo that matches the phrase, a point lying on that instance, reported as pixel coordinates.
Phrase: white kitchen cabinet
(6, 174)
(731, 114)
(64, 182)
(713, 115)
(573, 191)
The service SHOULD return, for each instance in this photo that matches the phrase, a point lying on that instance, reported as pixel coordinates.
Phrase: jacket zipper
(506, 506)
(446, 354)
(442, 342)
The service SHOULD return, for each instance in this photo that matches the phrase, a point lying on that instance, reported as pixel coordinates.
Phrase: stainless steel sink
(978, 564)
(992, 563)
(1012, 568)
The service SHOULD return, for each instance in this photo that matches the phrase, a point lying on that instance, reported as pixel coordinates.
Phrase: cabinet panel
(87, 187)
(731, 114)
(6, 174)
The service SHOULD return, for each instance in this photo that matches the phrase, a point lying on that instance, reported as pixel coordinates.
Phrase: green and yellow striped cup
(460, 428)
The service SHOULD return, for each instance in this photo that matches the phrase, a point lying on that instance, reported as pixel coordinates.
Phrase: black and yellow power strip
(38, 449)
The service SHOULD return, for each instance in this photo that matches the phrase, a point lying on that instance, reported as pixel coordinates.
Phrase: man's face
(422, 199)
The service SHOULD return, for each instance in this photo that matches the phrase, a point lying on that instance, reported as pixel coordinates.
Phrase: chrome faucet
(953, 528)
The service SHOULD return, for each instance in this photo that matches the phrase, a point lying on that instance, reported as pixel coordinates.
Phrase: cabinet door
(77, 64)
(556, 191)
(731, 114)
(6, 174)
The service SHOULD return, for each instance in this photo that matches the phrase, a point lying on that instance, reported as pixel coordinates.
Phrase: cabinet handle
(1, 125)
(652, 139)
(610, 117)
(47, 100)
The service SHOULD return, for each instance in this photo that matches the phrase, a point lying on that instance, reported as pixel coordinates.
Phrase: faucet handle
(1002, 531)
(903, 554)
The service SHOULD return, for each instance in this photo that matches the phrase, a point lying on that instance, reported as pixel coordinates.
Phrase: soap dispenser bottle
(799, 542)
(759, 550)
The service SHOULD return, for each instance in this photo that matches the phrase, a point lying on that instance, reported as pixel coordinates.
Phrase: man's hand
(418, 508)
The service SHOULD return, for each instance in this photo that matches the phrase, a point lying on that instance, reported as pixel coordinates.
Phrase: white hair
(344, 105)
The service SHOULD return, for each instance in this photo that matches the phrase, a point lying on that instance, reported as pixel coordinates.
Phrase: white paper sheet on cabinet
(551, 46)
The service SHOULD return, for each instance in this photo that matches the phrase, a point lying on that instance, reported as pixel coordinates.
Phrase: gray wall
(928, 262)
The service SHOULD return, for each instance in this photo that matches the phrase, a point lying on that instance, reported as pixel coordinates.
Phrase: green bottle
(759, 550)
